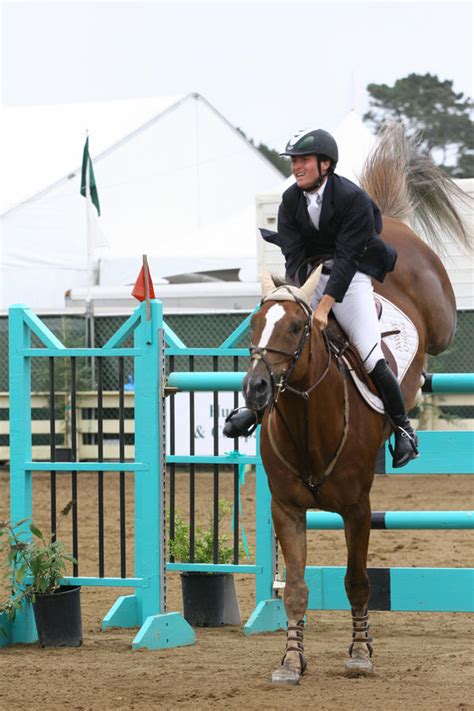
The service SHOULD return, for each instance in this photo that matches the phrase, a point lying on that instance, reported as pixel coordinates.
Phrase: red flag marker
(140, 290)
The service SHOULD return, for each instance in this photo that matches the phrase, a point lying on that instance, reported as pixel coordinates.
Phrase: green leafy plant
(29, 567)
(203, 540)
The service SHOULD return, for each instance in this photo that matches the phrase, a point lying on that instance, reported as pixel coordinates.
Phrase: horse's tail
(407, 185)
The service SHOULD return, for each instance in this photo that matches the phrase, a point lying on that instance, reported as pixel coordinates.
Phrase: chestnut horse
(319, 439)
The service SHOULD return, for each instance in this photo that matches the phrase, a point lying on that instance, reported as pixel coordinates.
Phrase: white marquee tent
(176, 181)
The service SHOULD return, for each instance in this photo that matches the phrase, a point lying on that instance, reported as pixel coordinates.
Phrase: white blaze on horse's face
(273, 315)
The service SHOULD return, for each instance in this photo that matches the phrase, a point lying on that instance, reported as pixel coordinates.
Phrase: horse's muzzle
(257, 391)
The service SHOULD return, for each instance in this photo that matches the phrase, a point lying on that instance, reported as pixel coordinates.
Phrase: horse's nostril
(261, 386)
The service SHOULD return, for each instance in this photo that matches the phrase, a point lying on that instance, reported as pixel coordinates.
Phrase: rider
(325, 216)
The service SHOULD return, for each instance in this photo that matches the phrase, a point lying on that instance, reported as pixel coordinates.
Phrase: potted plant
(32, 571)
(209, 599)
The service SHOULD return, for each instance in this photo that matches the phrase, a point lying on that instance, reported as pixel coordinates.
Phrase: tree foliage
(431, 108)
(281, 163)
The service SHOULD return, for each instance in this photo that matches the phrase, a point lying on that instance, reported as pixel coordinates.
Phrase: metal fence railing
(200, 330)
(203, 330)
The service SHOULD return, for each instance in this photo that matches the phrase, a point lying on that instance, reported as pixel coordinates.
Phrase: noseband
(258, 353)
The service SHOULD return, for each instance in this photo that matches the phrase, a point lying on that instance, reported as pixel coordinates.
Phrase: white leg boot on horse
(357, 529)
(290, 528)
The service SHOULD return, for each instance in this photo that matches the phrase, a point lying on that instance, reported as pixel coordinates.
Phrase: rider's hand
(320, 318)
(320, 314)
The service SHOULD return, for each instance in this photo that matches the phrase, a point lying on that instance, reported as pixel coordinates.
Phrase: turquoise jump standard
(146, 607)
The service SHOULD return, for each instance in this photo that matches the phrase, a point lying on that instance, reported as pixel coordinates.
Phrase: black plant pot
(209, 599)
(58, 617)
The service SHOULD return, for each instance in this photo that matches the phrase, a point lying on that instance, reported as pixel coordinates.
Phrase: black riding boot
(406, 441)
(240, 423)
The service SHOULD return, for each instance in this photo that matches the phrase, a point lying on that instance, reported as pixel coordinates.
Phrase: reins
(279, 387)
(306, 393)
(308, 477)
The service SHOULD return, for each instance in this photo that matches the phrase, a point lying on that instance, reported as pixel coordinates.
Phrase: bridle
(278, 387)
(257, 353)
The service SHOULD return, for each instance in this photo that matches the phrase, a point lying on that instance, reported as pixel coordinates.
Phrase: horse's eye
(295, 327)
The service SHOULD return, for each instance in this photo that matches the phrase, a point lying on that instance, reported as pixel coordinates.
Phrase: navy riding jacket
(349, 231)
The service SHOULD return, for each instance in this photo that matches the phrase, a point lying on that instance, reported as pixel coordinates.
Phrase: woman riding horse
(325, 216)
(319, 438)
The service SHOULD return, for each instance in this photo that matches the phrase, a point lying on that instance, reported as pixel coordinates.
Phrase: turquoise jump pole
(435, 383)
(205, 381)
(397, 520)
(449, 383)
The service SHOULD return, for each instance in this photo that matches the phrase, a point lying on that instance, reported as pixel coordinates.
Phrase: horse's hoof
(283, 675)
(358, 666)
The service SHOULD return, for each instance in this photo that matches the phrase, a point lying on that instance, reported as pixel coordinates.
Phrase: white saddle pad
(403, 346)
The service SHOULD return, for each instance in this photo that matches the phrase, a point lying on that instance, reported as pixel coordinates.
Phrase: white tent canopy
(175, 180)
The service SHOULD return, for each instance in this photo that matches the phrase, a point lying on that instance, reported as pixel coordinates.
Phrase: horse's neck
(314, 363)
(326, 404)
(321, 366)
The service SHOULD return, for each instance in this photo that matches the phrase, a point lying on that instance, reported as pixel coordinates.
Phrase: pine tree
(431, 108)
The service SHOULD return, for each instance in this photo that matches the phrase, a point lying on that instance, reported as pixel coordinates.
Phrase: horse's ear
(267, 282)
(311, 283)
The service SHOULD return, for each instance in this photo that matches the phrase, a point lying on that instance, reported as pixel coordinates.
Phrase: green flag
(86, 161)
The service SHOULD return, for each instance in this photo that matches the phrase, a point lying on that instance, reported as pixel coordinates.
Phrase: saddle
(399, 340)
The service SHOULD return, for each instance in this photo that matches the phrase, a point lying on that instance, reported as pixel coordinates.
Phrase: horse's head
(281, 329)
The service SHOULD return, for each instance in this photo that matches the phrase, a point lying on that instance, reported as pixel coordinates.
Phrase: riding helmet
(312, 142)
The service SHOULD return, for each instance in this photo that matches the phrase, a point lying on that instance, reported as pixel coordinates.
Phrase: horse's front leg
(290, 528)
(357, 531)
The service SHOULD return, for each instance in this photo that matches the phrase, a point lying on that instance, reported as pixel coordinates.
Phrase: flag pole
(88, 228)
(90, 337)
(146, 274)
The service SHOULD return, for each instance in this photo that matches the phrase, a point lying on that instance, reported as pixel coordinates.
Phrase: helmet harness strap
(322, 176)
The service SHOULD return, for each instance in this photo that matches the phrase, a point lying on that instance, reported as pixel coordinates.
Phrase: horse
(319, 439)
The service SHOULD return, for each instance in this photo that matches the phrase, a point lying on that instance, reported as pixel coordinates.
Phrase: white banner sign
(203, 436)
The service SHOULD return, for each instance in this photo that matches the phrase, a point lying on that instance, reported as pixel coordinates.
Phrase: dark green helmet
(312, 142)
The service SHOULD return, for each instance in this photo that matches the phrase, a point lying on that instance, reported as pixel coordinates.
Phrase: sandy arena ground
(422, 661)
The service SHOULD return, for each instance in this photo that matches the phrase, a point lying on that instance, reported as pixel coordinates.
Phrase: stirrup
(402, 454)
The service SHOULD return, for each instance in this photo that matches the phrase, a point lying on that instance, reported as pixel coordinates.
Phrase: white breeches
(358, 317)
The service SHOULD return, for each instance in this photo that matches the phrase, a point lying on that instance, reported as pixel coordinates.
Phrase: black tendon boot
(240, 423)
(406, 441)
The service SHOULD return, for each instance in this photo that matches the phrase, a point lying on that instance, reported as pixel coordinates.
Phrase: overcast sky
(270, 67)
